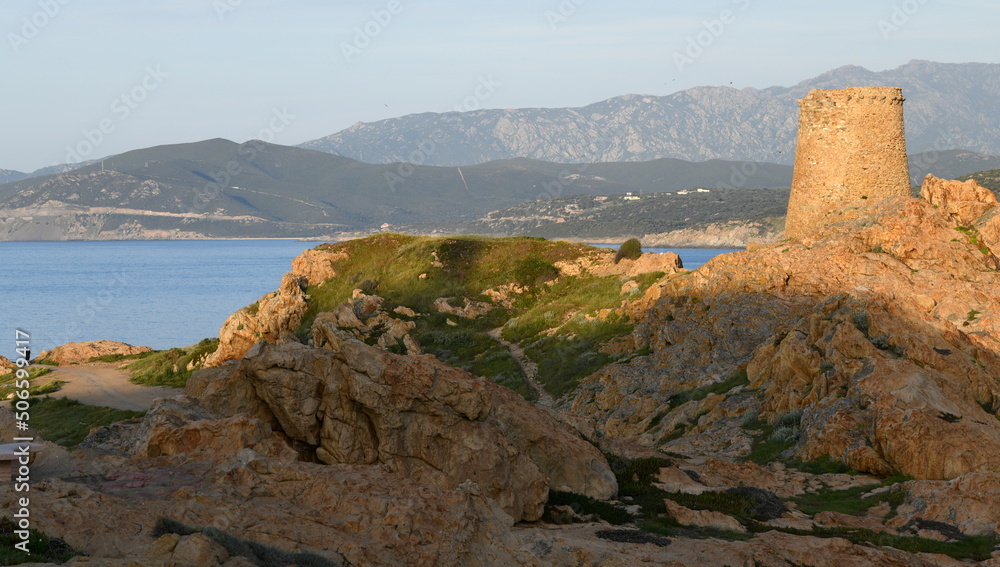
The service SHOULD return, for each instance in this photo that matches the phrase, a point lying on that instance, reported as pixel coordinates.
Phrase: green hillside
(562, 322)
(989, 179)
(219, 188)
(616, 216)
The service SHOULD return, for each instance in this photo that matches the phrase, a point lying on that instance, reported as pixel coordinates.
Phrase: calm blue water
(160, 294)
(692, 258)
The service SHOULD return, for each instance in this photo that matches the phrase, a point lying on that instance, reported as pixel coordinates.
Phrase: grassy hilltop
(557, 320)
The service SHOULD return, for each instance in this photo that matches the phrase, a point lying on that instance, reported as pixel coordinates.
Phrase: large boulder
(969, 503)
(363, 318)
(317, 265)
(963, 201)
(351, 515)
(269, 319)
(71, 352)
(178, 426)
(357, 404)
(603, 263)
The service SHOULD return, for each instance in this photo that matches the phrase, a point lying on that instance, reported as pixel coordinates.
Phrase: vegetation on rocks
(258, 553)
(631, 249)
(67, 422)
(170, 367)
(852, 501)
(8, 383)
(561, 322)
(43, 549)
(752, 508)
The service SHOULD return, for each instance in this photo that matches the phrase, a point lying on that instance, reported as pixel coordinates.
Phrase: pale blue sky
(226, 76)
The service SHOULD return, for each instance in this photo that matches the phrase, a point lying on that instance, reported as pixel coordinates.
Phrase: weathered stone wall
(851, 148)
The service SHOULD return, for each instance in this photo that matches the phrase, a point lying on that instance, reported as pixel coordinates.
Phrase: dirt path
(528, 368)
(100, 384)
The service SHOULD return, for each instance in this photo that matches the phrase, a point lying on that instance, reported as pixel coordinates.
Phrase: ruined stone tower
(851, 149)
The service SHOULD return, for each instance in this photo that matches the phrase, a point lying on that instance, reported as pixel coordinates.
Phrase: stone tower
(851, 149)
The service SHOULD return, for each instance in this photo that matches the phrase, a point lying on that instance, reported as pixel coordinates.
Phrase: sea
(160, 294)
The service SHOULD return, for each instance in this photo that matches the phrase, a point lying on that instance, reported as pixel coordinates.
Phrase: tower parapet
(851, 148)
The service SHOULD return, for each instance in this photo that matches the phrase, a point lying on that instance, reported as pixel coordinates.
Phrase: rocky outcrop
(882, 330)
(6, 365)
(468, 310)
(363, 318)
(70, 353)
(602, 264)
(970, 503)
(317, 265)
(962, 201)
(358, 515)
(703, 518)
(268, 319)
(356, 404)
(177, 426)
(988, 226)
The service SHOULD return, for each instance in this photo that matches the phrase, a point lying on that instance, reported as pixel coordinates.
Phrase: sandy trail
(102, 384)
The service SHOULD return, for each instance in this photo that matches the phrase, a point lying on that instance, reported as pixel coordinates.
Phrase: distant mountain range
(949, 106)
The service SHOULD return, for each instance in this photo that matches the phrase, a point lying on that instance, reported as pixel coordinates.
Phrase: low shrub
(631, 249)
(585, 506)
(41, 548)
(260, 554)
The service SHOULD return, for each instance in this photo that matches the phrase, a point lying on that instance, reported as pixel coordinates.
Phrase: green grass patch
(565, 358)
(170, 367)
(849, 500)
(657, 419)
(702, 392)
(8, 382)
(260, 554)
(582, 295)
(67, 422)
(46, 362)
(466, 266)
(46, 388)
(467, 345)
(118, 357)
(41, 548)
(676, 433)
(977, 548)
(822, 465)
(500, 366)
(635, 486)
(765, 448)
(551, 322)
(587, 506)
(732, 504)
(648, 279)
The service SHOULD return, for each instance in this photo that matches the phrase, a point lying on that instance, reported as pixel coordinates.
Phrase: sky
(83, 80)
